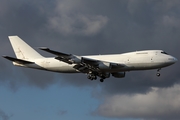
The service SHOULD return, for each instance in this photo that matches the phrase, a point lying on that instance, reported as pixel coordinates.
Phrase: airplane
(102, 66)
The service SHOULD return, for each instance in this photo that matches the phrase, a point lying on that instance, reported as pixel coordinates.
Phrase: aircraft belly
(62, 68)
(146, 66)
(56, 66)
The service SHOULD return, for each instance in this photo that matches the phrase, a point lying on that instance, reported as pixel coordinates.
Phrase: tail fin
(23, 50)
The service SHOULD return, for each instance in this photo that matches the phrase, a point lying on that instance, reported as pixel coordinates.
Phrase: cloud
(68, 22)
(62, 112)
(84, 27)
(78, 25)
(171, 21)
(160, 103)
(125, 26)
(4, 116)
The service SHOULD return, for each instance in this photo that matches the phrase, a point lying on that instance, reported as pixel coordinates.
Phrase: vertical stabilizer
(23, 50)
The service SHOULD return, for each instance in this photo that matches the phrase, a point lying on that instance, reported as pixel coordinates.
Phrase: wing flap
(67, 58)
(18, 60)
(96, 63)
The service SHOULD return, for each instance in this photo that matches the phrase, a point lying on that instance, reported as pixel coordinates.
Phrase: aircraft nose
(173, 59)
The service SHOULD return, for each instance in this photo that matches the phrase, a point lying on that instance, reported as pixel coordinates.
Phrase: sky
(88, 27)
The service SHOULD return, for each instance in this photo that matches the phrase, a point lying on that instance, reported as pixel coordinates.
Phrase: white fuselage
(139, 60)
(94, 66)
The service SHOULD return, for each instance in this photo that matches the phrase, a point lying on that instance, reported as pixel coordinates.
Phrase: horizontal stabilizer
(19, 61)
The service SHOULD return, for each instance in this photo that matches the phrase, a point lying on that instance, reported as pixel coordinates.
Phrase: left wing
(67, 58)
(83, 64)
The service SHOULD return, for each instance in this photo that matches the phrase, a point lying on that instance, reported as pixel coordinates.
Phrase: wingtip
(4, 56)
(43, 48)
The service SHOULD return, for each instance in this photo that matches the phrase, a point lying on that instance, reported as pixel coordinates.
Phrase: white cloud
(80, 24)
(160, 103)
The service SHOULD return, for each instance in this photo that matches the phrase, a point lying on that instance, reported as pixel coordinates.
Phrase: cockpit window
(164, 52)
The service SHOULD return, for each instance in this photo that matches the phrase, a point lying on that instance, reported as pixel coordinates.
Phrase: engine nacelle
(118, 74)
(104, 66)
(75, 60)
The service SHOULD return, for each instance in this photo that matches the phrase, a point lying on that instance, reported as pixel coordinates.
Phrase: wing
(84, 64)
(67, 58)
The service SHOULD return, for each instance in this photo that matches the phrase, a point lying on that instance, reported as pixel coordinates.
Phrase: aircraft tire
(158, 74)
(101, 80)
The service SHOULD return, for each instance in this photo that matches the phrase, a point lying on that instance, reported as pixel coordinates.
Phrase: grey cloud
(62, 112)
(66, 21)
(18, 77)
(22, 18)
(118, 30)
(92, 27)
(4, 116)
(126, 27)
(43, 79)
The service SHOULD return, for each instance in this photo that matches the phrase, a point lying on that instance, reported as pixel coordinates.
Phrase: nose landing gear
(158, 73)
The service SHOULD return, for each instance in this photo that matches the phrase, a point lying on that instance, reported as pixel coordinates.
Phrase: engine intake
(118, 74)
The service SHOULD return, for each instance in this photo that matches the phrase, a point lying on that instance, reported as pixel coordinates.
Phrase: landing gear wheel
(101, 80)
(92, 77)
(88, 77)
(158, 74)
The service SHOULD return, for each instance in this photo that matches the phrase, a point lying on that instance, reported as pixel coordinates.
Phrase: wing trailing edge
(67, 58)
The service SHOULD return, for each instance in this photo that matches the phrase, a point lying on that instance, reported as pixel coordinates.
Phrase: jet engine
(104, 65)
(118, 74)
(75, 60)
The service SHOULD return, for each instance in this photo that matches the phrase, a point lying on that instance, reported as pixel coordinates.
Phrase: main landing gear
(101, 80)
(158, 73)
(94, 77)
